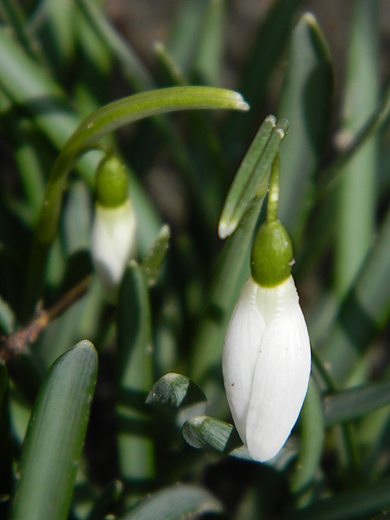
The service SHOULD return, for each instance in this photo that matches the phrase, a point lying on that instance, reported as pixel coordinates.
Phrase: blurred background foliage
(156, 426)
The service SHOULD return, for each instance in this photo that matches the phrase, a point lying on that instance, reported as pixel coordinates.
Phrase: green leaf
(362, 502)
(252, 176)
(133, 69)
(306, 103)
(357, 188)
(55, 436)
(206, 432)
(363, 312)
(175, 503)
(312, 437)
(175, 390)
(208, 56)
(350, 404)
(182, 41)
(134, 379)
(151, 263)
(181, 393)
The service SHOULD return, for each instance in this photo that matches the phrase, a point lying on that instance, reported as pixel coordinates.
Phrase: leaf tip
(226, 228)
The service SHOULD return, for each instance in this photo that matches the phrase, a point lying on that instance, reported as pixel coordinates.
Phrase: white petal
(281, 377)
(242, 342)
(114, 243)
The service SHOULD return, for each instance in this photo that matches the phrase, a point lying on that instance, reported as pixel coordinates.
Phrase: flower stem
(273, 195)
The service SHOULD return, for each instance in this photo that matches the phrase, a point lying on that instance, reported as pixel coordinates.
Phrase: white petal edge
(242, 341)
(281, 377)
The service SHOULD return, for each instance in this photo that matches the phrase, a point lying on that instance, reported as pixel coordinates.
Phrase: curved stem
(273, 195)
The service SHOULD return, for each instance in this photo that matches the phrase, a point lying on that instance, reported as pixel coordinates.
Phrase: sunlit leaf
(55, 436)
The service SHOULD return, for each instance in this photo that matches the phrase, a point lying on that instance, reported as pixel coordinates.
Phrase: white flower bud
(114, 243)
(266, 365)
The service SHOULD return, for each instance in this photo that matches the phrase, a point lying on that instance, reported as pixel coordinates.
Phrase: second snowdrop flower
(114, 238)
(266, 358)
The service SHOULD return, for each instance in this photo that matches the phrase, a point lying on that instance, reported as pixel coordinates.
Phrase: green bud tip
(111, 182)
(271, 255)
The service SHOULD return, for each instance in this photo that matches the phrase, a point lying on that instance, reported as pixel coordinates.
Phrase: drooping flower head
(266, 358)
(114, 238)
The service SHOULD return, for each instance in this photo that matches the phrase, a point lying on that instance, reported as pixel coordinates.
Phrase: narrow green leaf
(251, 179)
(175, 503)
(170, 69)
(362, 502)
(206, 432)
(55, 436)
(134, 379)
(151, 263)
(306, 102)
(364, 311)
(353, 403)
(185, 31)
(234, 206)
(357, 189)
(312, 437)
(133, 68)
(208, 56)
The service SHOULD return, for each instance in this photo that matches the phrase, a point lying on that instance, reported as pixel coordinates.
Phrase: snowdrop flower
(114, 240)
(266, 358)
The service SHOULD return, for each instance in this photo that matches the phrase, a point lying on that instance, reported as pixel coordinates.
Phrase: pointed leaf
(55, 436)
(252, 176)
